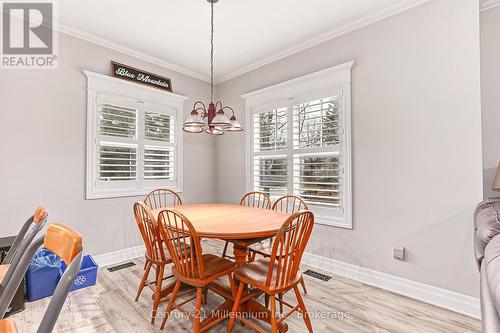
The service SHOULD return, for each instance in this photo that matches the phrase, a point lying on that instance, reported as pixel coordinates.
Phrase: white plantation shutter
(270, 130)
(300, 142)
(117, 144)
(159, 152)
(117, 121)
(314, 158)
(317, 160)
(159, 163)
(117, 163)
(317, 179)
(133, 141)
(270, 165)
(136, 146)
(316, 123)
(159, 127)
(271, 175)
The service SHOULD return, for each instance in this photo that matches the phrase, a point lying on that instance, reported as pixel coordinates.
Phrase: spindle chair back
(256, 200)
(183, 243)
(288, 248)
(162, 197)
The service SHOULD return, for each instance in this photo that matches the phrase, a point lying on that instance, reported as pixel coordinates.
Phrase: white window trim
(331, 78)
(106, 85)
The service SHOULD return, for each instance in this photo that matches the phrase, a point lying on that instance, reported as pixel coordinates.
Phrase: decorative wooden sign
(139, 76)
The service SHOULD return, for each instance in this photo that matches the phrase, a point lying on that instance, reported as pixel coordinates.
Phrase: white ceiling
(248, 34)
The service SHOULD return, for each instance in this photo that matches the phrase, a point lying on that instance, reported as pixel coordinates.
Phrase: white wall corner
(460, 303)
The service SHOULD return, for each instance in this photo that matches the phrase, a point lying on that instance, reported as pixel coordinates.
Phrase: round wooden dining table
(242, 226)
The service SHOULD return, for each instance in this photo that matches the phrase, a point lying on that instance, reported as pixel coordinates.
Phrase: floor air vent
(122, 266)
(317, 275)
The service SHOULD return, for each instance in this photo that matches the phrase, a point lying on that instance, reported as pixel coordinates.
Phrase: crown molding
(298, 47)
(488, 4)
(129, 51)
(342, 30)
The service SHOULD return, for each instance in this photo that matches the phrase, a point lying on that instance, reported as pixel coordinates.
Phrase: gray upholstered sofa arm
(487, 252)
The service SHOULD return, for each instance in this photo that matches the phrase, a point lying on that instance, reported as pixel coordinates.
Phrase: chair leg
(205, 295)
(143, 280)
(251, 256)
(170, 303)
(234, 311)
(197, 310)
(302, 306)
(274, 321)
(280, 296)
(224, 252)
(232, 284)
(156, 296)
(303, 284)
(157, 272)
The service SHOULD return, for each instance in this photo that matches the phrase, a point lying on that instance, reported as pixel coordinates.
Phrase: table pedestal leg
(240, 253)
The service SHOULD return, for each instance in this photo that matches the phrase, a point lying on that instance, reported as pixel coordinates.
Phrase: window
(300, 142)
(133, 143)
(316, 151)
(270, 152)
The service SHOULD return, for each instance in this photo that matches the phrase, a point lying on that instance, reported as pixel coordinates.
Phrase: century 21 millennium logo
(28, 38)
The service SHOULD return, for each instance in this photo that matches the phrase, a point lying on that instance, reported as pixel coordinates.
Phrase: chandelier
(217, 121)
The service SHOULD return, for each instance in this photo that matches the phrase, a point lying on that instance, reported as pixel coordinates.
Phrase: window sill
(110, 194)
(333, 222)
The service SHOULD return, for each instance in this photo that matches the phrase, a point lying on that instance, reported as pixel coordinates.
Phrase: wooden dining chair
(279, 273)
(254, 200)
(287, 204)
(156, 255)
(161, 198)
(191, 267)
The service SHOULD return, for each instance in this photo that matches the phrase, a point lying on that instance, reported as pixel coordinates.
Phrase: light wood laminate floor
(339, 305)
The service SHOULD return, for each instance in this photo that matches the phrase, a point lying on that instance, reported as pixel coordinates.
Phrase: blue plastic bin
(87, 276)
(41, 281)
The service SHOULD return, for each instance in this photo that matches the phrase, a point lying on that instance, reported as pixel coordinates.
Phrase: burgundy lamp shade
(234, 126)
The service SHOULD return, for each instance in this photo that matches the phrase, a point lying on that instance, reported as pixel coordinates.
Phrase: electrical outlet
(399, 253)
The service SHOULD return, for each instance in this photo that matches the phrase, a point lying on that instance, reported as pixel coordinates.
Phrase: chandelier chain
(212, 53)
(217, 122)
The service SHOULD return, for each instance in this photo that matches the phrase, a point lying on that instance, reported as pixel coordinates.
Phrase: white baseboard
(447, 299)
(116, 257)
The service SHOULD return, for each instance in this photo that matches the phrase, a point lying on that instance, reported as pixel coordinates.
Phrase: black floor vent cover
(317, 275)
(122, 266)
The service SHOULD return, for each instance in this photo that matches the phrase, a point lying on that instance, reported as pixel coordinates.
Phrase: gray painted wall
(490, 86)
(42, 130)
(416, 141)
